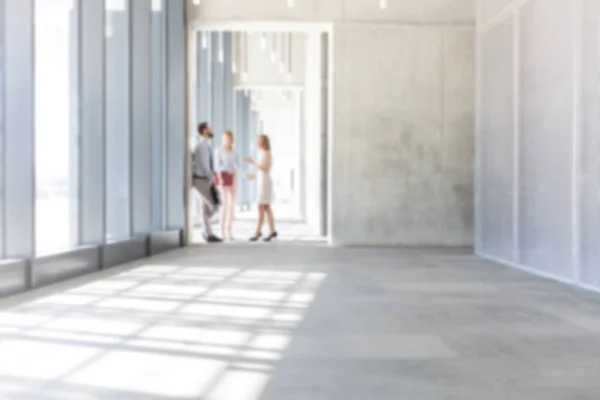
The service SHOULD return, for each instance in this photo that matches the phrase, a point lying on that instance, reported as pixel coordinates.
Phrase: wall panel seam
(516, 31)
(478, 145)
(576, 187)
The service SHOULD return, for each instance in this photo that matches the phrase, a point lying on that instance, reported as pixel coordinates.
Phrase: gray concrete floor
(289, 227)
(302, 322)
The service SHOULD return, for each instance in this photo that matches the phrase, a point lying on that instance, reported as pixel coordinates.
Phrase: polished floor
(303, 322)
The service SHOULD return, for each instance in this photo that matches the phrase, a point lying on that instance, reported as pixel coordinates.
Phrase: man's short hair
(202, 127)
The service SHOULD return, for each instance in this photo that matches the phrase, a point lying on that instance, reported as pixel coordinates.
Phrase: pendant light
(289, 57)
(221, 54)
(273, 48)
(282, 55)
(233, 53)
(209, 56)
(245, 55)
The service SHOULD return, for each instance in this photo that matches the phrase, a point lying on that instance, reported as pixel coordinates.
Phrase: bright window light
(263, 41)
(56, 125)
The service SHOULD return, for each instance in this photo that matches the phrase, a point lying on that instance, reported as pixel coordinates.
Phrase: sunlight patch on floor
(167, 331)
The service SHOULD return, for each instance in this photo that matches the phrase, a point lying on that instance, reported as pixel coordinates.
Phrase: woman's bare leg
(232, 205)
(223, 211)
(270, 219)
(261, 219)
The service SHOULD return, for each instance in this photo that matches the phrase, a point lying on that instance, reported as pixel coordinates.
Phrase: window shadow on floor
(302, 322)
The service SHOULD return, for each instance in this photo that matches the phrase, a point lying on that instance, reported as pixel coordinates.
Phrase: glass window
(56, 124)
(159, 58)
(118, 133)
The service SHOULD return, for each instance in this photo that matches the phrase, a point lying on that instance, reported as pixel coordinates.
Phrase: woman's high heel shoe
(256, 237)
(271, 237)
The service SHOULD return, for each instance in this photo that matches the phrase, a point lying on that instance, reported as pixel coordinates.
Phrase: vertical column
(313, 126)
(204, 97)
(176, 113)
(228, 78)
(203, 88)
(117, 73)
(301, 176)
(19, 184)
(2, 102)
(245, 127)
(141, 106)
(202, 102)
(92, 152)
(252, 127)
(218, 67)
(159, 61)
(324, 133)
(74, 126)
(242, 145)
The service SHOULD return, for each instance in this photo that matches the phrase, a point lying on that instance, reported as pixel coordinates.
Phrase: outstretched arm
(264, 164)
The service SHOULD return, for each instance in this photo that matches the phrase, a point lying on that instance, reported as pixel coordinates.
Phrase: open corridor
(302, 322)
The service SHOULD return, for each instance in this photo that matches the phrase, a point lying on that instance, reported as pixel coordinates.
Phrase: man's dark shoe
(213, 239)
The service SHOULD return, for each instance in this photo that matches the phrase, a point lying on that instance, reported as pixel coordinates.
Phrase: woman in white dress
(226, 166)
(265, 188)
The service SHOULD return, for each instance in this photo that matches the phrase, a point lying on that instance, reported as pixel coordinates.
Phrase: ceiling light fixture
(383, 4)
(290, 3)
(197, 2)
(283, 55)
(289, 58)
(273, 48)
(245, 73)
(233, 53)
(209, 57)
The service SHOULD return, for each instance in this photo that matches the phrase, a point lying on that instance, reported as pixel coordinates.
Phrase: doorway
(270, 81)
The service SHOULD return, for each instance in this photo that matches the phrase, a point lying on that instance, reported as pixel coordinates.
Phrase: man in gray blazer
(203, 172)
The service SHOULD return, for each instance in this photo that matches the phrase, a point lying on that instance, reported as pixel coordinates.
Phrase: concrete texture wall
(402, 147)
(402, 112)
(538, 204)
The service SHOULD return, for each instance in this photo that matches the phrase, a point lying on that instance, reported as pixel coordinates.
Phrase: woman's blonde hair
(229, 134)
(265, 142)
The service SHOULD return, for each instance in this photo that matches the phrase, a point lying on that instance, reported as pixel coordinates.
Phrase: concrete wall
(538, 204)
(402, 114)
(403, 134)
